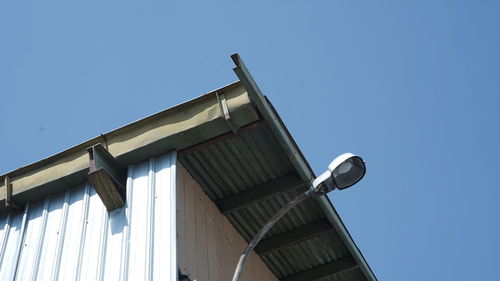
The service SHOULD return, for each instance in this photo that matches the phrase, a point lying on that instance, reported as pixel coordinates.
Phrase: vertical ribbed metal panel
(254, 157)
(71, 236)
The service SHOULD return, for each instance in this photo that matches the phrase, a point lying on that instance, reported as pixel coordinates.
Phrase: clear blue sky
(412, 86)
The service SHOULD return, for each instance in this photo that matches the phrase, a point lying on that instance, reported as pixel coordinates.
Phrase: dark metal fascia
(297, 159)
(260, 101)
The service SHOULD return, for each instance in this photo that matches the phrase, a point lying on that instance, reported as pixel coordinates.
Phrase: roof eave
(297, 159)
(176, 128)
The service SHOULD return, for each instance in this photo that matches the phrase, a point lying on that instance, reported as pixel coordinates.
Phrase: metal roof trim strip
(174, 128)
(297, 159)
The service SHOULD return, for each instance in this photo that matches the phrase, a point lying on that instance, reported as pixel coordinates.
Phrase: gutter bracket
(105, 141)
(225, 111)
(107, 176)
(9, 202)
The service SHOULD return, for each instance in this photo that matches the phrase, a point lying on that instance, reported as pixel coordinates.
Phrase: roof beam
(200, 146)
(298, 160)
(107, 177)
(324, 270)
(294, 236)
(260, 192)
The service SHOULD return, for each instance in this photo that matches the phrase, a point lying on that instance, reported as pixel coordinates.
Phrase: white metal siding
(71, 236)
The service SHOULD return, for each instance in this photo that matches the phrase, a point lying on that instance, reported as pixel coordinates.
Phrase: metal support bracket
(107, 177)
(9, 202)
(225, 111)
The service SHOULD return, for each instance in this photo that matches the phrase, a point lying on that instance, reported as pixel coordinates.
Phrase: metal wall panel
(252, 158)
(208, 245)
(71, 236)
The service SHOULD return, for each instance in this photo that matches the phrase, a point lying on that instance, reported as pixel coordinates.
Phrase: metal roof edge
(182, 125)
(89, 143)
(297, 159)
(333, 217)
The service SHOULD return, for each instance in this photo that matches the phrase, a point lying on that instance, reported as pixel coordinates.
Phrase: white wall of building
(71, 236)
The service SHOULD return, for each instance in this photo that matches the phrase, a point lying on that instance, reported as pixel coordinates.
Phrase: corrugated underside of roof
(228, 166)
(254, 157)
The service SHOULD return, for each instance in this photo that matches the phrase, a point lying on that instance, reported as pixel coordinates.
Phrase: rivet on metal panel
(9, 202)
(225, 111)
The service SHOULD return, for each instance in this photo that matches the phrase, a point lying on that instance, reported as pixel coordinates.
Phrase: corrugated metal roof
(71, 236)
(240, 163)
(224, 168)
(295, 156)
(251, 158)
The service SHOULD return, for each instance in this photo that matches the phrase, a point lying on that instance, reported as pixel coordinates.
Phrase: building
(176, 195)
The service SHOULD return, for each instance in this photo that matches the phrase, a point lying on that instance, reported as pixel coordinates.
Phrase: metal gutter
(297, 159)
(173, 129)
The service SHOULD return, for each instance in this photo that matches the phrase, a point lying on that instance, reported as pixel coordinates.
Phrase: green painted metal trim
(275, 123)
(297, 159)
(176, 128)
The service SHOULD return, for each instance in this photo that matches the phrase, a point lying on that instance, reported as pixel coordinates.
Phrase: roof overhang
(173, 129)
(298, 160)
(235, 126)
